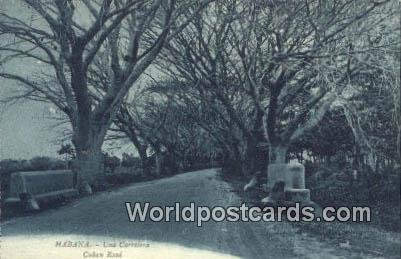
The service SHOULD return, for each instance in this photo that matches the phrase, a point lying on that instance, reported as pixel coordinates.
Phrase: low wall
(41, 184)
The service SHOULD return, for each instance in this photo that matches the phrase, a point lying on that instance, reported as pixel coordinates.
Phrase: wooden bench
(39, 187)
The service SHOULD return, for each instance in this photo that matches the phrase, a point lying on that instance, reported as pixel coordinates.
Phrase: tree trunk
(142, 148)
(399, 140)
(172, 163)
(144, 161)
(159, 162)
(278, 154)
(249, 162)
(88, 128)
(89, 160)
(89, 166)
(231, 163)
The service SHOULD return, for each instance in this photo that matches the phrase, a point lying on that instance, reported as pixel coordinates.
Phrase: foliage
(67, 150)
(110, 162)
(335, 185)
(128, 160)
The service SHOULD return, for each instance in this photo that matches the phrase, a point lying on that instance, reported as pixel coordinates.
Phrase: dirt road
(100, 222)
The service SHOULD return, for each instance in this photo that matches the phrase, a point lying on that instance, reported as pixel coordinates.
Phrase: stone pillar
(293, 175)
(278, 172)
(297, 173)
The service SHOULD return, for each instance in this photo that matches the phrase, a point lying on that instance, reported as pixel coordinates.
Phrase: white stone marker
(293, 175)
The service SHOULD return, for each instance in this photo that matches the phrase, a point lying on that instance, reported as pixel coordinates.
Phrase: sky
(25, 132)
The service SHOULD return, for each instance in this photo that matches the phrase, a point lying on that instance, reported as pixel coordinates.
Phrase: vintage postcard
(200, 129)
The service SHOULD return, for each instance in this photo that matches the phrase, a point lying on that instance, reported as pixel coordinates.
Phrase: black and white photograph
(200, 129)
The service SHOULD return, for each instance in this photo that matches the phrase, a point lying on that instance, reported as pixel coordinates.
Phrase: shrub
(124, 175)
(379, 190)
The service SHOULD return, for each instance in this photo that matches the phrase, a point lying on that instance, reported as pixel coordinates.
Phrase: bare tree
(288, 62)
(299, 57)
(203, 58)
(122, 37)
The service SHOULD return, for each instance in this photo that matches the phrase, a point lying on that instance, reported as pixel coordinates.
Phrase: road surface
(101, 222)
